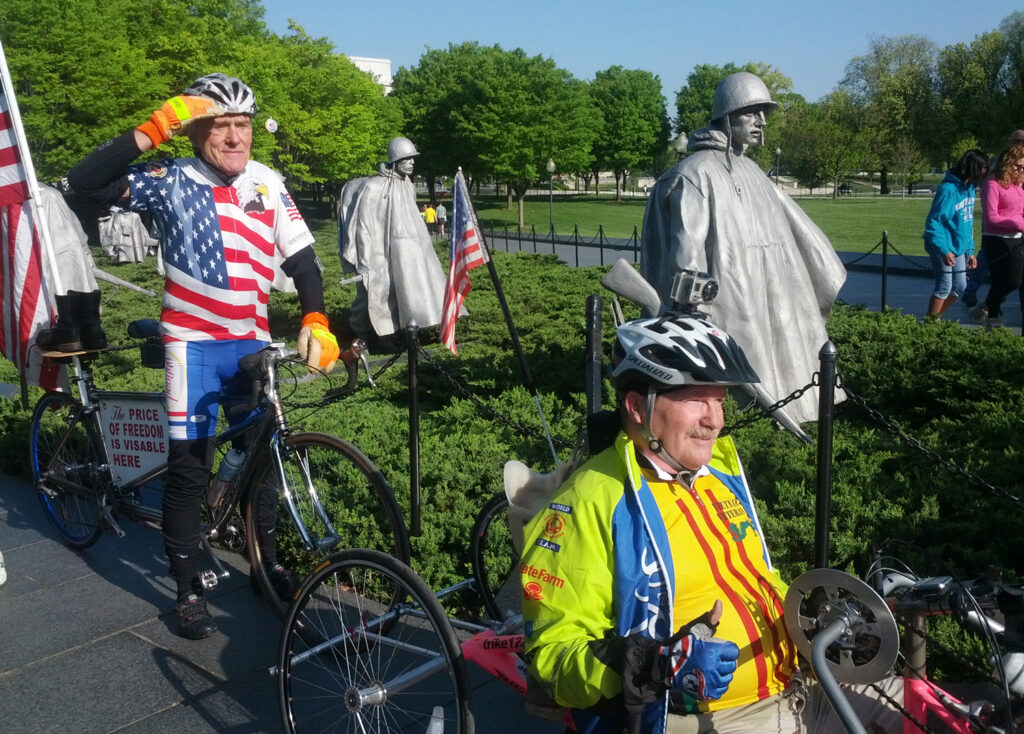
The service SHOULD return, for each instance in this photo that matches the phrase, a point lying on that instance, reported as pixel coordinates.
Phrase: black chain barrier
(327, 400)
(857, 260)
(766, 412)
(916, 444)
(466, 393)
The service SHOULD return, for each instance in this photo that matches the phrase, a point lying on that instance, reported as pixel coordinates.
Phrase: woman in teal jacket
(949, 230)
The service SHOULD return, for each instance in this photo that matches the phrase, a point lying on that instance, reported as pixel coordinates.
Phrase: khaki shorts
(801, 709)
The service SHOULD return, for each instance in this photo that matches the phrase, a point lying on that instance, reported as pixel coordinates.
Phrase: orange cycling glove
(317, 344)
(175, 115)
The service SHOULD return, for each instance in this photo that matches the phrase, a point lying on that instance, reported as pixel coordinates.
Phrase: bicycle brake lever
(359, 346)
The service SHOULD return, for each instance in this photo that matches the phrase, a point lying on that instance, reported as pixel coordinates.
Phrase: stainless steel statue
(717, 211)
(383, 237)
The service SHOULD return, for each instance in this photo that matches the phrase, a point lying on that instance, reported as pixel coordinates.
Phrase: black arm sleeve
(304, 269)
(100, 175)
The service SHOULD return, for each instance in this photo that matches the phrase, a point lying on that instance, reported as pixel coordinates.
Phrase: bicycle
(847, 629)
(97, 458)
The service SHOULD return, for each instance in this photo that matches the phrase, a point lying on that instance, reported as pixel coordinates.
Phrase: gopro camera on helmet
(690, 288)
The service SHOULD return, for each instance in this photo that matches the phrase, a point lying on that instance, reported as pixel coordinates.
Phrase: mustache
(702, 433)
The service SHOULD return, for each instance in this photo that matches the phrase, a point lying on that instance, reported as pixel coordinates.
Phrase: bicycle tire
(328, 652)
(494, 560)
(357, 498)
(60, 448)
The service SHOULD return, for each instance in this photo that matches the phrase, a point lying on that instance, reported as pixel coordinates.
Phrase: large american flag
(465, 252)
(26, 306)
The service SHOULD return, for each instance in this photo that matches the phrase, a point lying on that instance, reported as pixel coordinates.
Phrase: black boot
(87, 306)
(65, 335)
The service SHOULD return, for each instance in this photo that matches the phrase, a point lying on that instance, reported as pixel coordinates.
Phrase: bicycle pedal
(208, 580)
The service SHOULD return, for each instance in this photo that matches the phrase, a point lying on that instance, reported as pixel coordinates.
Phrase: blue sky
(810, 42)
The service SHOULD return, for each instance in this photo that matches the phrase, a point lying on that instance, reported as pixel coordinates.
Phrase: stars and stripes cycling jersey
(219, 244)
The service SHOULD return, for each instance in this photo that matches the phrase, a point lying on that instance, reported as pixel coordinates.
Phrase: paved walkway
(87, 641)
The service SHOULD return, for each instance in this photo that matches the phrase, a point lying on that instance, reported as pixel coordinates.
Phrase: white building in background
(379, 69)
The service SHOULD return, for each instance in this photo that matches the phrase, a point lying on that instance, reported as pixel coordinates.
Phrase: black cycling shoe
(194, 620)
(286, 584)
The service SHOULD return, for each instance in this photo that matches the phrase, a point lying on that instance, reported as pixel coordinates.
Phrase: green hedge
(960, 391)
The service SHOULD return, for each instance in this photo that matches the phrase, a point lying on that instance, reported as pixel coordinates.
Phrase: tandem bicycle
(101, 457)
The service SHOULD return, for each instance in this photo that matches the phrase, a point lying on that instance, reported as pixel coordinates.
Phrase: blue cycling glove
(701, 667)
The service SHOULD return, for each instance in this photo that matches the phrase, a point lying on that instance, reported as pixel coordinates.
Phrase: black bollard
(826, 403)
(412, 332)
(885, 266)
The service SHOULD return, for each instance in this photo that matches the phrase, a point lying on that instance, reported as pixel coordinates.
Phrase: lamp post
(551, 195)
(778, 161)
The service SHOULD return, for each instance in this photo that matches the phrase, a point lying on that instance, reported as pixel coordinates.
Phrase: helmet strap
(683, 475)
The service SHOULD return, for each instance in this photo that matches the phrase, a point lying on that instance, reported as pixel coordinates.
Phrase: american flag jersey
(219, 245)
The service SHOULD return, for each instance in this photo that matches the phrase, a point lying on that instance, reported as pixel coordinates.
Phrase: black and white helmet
(675, 351)
(229, 92)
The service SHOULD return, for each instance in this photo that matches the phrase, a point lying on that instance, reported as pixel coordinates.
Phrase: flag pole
(30, 172)
(512, 331)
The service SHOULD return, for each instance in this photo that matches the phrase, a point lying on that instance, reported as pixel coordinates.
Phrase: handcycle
(100, 457)
(848, 629)
(367, 647)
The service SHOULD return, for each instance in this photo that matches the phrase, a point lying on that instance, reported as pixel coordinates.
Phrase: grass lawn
(853, 224)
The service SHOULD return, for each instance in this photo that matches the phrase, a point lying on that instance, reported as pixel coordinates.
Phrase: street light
(551, 196)
(778, 160)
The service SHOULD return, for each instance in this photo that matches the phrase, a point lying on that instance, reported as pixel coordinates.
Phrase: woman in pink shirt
(1002, 200)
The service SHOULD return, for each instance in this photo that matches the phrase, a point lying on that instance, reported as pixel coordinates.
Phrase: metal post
(827, 356)
(636, 245)
(414, 428)
(576, 242)
(885, 265)
(600, 241)
(533, 236)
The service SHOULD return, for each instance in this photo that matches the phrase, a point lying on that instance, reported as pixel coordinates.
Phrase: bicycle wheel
(337, 672)
(63, 461)
(354, 494)
(495, 561)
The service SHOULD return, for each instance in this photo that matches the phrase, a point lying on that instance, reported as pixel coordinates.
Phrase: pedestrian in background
(1002, 200)
(949, 230)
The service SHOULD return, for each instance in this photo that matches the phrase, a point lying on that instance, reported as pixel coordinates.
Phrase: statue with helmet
(717, 212)
(384, 240)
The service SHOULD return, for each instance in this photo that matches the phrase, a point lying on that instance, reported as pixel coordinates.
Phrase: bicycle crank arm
(209, 578)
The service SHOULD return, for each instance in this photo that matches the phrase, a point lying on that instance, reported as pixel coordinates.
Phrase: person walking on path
(949, 230)
(1002, 200)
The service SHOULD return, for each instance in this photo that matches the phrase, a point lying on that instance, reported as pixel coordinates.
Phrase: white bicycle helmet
(229, 92)
(675, 351)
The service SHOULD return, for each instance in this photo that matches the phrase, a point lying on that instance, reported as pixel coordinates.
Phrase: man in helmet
(383, 238)
(716, 211)
(653, 538)
(225, 221)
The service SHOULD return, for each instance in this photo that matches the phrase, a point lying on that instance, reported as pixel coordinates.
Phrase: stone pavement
(87, 641)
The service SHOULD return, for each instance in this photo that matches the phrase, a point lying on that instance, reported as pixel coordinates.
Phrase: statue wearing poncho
(382, 236)
(716, 211)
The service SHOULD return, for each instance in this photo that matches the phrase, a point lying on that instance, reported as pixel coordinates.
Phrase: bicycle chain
(464, 392)
(916, 444)
(899, 707)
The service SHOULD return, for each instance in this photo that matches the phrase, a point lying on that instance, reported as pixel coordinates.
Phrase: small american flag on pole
(25, 304)
(465, 252)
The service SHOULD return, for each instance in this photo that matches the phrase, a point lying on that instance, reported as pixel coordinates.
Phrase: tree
(518, 112)
(634, 125)
(428, 94)
(972, 91)
(823, 142)
(895, 83)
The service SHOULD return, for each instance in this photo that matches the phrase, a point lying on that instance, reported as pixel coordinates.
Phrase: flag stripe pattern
(219, 245)
(465, 252)
(26, 305)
